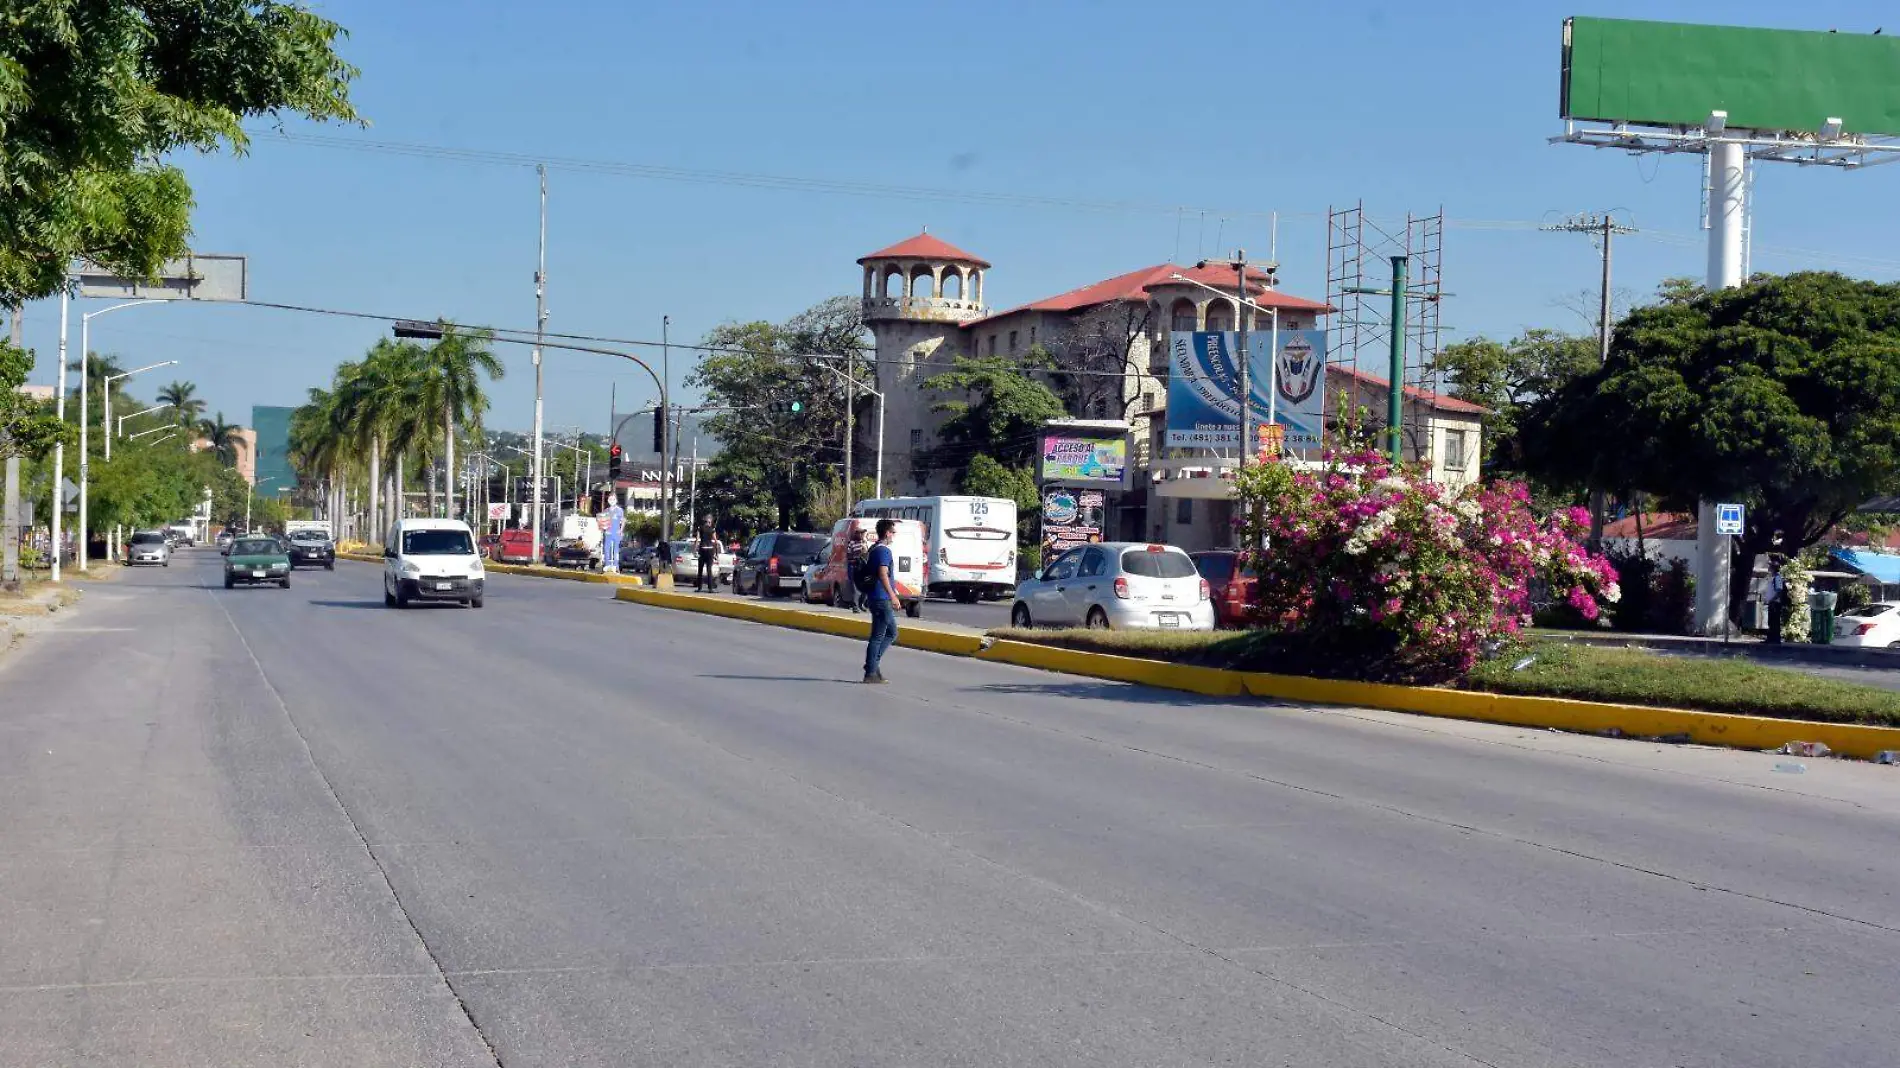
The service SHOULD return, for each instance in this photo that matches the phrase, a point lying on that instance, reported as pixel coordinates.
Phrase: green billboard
(1675, 74)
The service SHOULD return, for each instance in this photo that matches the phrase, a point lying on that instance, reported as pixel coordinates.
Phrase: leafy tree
(1783, 394)
(761, 366)
(94, 93)
(1510, 377)
(830, 504)
(993, 407)
(28, 427)
(449, 387)
(182, 397)
(223, 438)
(986, 477)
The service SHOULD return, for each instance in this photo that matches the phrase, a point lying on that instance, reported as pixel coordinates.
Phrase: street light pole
(59, 450)
(109, 379)
(540, 333)
(85, 357)
(666, 430)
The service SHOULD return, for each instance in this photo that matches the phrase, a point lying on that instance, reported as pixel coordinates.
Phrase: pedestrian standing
(708, 556)
(1777, 601)
(882, 602)
(855, 555)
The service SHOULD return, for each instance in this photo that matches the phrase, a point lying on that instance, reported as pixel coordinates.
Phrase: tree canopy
(93, 95)
(28, 427)
(1510, 377)
(1783, 394)
(992, 406)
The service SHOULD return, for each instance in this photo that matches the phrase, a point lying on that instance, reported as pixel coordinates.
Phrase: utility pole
(850, 422)
(1606, 227)
(540, 330)
(10, 523)
(1240, 340)
(666, 429)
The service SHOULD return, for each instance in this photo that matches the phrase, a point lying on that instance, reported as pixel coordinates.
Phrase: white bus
(969, 541)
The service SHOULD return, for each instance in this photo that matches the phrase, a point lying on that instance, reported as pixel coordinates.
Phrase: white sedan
(686, 563)
(1869, 626)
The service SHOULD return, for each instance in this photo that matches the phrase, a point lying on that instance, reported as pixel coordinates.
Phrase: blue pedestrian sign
(1728, 519)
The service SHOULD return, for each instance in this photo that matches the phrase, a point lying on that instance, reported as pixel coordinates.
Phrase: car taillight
(772, 564)
(1863, 628)
(1206, 590)
(1121, 588)
(1233, 591)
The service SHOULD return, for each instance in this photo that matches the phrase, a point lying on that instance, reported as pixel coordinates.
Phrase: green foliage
(224, 438)
(786, 457)
(1508, 377)
(27, 426)
(993, 407)
(182, 397)
(94, 93)
(987, 477)
(828, 504)
(1783, 394)
(146, 485)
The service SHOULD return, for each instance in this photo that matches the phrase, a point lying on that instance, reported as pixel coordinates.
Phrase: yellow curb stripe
(1707, 728)
(532, 572)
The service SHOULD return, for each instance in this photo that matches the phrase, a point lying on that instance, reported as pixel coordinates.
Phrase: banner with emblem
(1204, 380)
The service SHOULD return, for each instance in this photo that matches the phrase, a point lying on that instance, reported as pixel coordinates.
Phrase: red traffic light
(614, 450)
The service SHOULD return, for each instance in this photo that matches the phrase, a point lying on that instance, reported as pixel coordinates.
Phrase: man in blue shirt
(881, 600)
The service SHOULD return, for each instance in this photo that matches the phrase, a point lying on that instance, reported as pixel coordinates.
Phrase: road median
(564, 574)
(1707, 728)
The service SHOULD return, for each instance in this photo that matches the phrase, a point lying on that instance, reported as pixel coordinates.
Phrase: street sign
(1728, 519)
(498, 510)
(68, 490)
(194, 276)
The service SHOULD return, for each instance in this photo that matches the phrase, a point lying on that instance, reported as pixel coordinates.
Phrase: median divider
(526, 569)
(1597, 717)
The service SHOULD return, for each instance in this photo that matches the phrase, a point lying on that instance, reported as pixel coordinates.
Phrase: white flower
(1471, 510)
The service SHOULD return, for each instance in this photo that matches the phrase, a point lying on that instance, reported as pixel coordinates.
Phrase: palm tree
(99, 367)
(225, 438)
(187, 408)
(377, 413)
(450, 385)
(317, 448)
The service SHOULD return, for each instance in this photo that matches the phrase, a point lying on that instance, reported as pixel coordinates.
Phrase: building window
(1454, 450)
(1012, 341)
(916, 439)
(1184, 512)
(1032, 336)
(992, 344)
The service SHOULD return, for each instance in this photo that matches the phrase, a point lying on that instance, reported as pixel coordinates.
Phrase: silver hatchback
(1117, 585)
(149, 547)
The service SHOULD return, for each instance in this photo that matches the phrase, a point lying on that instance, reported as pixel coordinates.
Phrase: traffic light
(659, 433)
(791, 407)
(613, 460)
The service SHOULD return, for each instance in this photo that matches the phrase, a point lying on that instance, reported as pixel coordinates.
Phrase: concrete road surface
(293, 827)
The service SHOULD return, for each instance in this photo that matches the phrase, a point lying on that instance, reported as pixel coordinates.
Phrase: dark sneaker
(878, 678)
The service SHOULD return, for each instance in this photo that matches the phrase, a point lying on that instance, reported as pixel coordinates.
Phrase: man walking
(881, 600)
(708, 556)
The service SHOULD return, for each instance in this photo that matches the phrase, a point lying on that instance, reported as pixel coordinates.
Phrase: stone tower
(917, 295)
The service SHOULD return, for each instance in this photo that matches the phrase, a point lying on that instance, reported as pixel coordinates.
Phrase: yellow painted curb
(1707, 728)
(523, 569)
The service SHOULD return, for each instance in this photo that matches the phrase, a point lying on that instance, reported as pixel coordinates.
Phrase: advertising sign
(1204, 382)
(1077, 459)
(1071, 517)
(498, 510)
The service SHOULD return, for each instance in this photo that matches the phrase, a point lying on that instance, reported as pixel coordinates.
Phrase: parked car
(774, 564)
(810, 591)
(149, 547)
(908, 553)
(255, 559)
(312, 548)
(1117, 585)
(432, 560)
(225, 538)
(686, 562)
(635, 558)
(1868, 626)
(1233, 588)
(513, 547)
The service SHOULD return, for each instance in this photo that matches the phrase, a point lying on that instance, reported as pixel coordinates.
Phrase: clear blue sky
(1406, 106)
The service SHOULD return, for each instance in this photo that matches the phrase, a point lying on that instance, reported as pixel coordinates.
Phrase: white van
(431, 560)
(969, 542)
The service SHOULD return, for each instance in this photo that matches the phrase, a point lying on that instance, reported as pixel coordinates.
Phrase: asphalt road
(982, 615)
(270, 827)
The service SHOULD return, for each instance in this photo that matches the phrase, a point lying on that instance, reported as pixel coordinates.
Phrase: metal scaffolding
(1359, 253)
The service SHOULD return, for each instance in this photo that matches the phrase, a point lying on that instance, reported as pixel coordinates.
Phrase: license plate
(1168, 619)
(445, 585)
(259, 574)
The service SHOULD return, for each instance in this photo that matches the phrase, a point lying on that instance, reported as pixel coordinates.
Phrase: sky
(720, 162)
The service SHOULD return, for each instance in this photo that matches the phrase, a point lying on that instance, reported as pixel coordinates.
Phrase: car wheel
(476, 602)
(389, 599)
(1019, 617)
(1097, 619)
(229, 582)
(915, 609)
(402, 599)
(286, 582)
(331, 566)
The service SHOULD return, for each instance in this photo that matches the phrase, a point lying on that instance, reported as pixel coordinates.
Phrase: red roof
(1135, 285)
(1659, 526)
(1437, 400)
(924, 247)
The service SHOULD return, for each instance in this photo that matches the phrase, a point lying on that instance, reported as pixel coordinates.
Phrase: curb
(521, 569)
(1788, 652)
(1705, 728)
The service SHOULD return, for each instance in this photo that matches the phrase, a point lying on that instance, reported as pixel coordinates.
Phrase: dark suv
(773, 565)
(312, 548)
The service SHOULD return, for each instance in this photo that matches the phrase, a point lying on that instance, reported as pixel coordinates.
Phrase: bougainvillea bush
(1371, 571)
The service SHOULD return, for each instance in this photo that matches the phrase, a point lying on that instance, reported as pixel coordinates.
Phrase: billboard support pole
(1395, 393)
(1728, 208)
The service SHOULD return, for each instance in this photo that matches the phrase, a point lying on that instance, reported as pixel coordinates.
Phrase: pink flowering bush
(1370, 571)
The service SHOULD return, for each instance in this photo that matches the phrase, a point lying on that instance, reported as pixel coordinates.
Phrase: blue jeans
(883, 633)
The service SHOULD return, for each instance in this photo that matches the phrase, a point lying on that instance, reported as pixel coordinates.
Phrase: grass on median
(1558, 669)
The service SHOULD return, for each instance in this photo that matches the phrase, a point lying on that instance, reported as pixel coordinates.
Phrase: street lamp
(858, 383)
(146, 411)
(252, 495)
(108, 395)
(154, 430)
(85, 357)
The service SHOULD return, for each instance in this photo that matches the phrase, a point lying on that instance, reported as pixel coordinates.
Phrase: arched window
(922, 285)
(1220, 315)
(952, 284)
(1181, 316)
(893, 283)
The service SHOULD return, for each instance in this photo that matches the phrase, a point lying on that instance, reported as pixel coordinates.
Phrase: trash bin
(1821, 617)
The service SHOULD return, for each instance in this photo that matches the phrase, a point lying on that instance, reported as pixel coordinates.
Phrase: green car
(255, 560)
